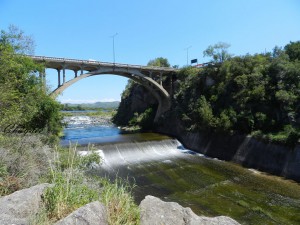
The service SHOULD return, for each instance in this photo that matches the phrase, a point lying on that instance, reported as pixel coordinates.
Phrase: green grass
(72, 188)
(117, 197)
(25, 161)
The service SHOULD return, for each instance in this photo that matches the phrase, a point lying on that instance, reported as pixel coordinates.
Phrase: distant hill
(104, 105)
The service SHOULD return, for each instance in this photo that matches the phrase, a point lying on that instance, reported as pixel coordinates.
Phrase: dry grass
(23, 161)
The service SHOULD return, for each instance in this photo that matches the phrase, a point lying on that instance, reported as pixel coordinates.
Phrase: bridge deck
(90, 65)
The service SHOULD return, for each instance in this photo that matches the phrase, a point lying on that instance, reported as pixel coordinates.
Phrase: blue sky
(82, 29)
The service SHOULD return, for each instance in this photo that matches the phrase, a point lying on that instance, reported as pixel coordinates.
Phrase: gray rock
(91, 214)
(156, 212)
(17, 207)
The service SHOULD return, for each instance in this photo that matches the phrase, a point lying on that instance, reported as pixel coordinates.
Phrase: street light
(187, 55)
(113, 37)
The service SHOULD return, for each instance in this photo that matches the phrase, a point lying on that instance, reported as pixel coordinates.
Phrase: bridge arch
(157, 90)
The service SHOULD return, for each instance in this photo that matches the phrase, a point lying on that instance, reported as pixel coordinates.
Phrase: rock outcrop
(93, 213)
(245, 150)
(18, 207)
(156, 212)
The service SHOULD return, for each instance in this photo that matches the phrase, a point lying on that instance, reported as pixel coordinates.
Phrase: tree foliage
(16, 38)
(293, 50)
(24, 103)
(218, 52)
(249, 93)
(160, 62)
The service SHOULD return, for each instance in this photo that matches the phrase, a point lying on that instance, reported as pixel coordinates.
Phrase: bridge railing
(99, 63)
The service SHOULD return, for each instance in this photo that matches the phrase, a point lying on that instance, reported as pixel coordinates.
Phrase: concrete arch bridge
(148, 76)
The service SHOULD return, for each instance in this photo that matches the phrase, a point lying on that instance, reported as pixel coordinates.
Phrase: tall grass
(70, 190)
(73, 189)
(121, 209)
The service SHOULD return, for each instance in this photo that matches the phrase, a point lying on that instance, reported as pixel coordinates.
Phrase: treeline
(251, 94)
(25, 104)
(90, 106)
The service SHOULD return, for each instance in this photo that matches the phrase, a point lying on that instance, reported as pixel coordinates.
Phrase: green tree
(293, 50)
(24, 104)
(16, 38)
(160, 62)
(218, 52)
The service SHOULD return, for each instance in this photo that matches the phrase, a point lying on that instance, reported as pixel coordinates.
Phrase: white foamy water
(122, 154)
(76, 120)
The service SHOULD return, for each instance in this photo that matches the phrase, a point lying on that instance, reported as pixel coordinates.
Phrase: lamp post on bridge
(187, 55)
(113, 37)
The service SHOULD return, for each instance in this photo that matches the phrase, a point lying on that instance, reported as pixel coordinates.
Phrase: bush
(143, 120)
(23, 161)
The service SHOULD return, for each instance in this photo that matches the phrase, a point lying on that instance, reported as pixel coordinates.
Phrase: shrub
(143, 120)
(23, 161)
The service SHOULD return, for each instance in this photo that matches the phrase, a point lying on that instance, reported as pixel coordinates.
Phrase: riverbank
(26, 162)
(72, 192)
(245, 150)
(21, 208)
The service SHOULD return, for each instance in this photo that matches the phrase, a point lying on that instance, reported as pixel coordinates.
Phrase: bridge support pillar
(58, 75)
(75, 71)
(160, 78)
(64, 75)
(42, 75)
(81, 70)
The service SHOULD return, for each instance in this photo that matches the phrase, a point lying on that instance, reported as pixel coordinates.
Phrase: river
(162, 167)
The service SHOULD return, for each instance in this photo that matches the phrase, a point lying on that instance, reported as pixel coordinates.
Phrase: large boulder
(155, 212)
(91, 214)
(18, 207)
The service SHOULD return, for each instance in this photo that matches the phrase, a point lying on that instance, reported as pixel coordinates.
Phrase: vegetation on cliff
(251, 94)
(257, 94)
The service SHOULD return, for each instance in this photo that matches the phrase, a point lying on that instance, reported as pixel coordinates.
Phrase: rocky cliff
(245, 150)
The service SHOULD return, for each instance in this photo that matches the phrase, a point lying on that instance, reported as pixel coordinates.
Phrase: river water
(162, 167)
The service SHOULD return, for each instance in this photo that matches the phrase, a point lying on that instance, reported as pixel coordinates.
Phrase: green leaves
(218, 52)
(160, 62)
(248, 93)
(23, 101)
(293, 50)
(15, 38)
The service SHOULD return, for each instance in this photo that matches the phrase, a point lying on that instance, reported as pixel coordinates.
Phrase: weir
(160, 166)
